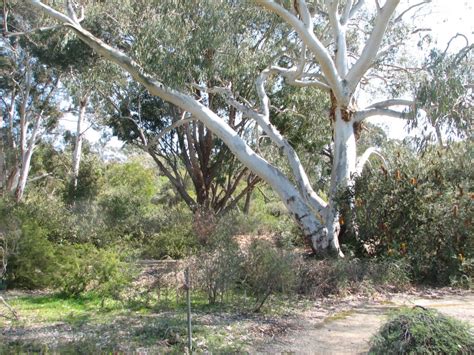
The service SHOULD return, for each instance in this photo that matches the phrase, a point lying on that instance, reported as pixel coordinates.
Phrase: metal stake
(188, 301)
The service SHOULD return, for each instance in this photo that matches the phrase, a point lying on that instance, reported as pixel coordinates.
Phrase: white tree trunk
(26, 161)
(343, 169)
(77, 153)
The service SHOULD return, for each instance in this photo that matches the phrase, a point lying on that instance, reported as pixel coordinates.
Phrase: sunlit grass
(55, 308)
(156, 322)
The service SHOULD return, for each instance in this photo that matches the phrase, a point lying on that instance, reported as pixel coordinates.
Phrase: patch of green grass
(157, 325)
(55, 308)
(340, 315)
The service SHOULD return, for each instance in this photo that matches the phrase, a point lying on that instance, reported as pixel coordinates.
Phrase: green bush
(175, 238)
(421, 211)
(422, 331)
(36, 262)
(128, 194)
(33, 260)
(83, 267)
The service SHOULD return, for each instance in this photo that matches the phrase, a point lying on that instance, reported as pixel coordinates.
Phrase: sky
(444, 17)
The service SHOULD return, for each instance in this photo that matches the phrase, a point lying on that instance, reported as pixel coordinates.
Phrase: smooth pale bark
(343, 167)
(77, 153)
(342, 81)
(26, 161)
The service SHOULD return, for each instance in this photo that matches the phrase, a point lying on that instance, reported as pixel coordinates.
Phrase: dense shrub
(33, 260)
(219, 267)
(421, 210)
(175, 238)
(128, 195)
(83, 267)
(422, 331)
(218, 271)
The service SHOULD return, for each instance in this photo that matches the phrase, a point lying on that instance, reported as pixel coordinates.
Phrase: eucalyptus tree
(28, 92)
(83, 73)
(185, 153)
(337, 61)
(445, 92)
(213, 45)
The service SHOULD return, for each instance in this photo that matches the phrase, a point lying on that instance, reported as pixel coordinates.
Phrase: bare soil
(346, 328)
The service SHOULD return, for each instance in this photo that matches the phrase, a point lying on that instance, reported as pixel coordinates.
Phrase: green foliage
(175, 238)
(444, 92)
(44, 252)
(83, 267)
(33, 261)
(422, 331)
(90, 180)
(195, 43)
(421, 211)
(310, 108)
(72, 269)
(127, 197)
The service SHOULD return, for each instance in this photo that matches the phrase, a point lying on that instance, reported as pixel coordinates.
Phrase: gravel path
(349, 331)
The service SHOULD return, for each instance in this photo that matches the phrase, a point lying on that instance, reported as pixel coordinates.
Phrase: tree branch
(392, 102)
(364, 158)
(399, 17)
(363, 114)
(369, 52)
(314, 45)
(357, 6)
(263, 120)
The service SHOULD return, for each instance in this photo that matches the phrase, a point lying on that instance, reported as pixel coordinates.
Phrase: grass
(55, 308)
(51, 323)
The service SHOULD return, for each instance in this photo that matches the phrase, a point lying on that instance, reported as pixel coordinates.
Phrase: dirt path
(349, 331)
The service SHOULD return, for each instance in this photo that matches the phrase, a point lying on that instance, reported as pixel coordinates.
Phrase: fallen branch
(10, 308)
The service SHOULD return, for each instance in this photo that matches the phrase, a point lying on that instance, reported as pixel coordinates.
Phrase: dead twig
(10, 308)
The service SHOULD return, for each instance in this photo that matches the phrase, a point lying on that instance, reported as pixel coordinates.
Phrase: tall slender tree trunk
(3, 166)
(77, 153)
(28, 150)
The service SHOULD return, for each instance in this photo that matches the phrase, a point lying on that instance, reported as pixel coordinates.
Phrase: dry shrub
(269, 270)
(217, 272)
(204, 225)
(321, 278)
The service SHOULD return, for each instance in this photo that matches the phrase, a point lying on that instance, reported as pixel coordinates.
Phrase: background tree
(445, 93)
(213, 46)
(29, 110)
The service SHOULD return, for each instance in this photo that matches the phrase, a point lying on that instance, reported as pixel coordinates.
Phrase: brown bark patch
(346, 115)
(332, 112)
(358, 127)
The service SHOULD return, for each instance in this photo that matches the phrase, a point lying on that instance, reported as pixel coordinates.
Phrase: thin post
(188, 301)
